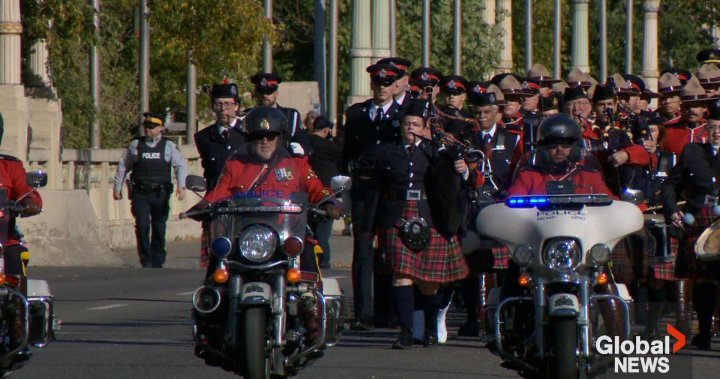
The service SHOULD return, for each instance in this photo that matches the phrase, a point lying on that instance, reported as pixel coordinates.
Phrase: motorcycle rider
(263, 168)
(12, 180)
(558, 167)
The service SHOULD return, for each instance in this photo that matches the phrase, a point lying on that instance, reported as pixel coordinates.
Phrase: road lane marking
(106, 307)
(185, 293)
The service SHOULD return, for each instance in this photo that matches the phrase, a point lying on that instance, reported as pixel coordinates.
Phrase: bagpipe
(447, 143)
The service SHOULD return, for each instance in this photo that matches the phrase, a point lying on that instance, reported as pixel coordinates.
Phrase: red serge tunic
(288, 175)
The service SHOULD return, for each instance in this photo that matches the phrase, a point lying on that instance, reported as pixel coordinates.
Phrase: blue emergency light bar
(545, 200)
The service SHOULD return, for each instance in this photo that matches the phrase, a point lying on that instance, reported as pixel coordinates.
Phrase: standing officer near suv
(149, 159)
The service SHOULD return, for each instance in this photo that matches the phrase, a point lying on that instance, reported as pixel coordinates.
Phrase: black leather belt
(406, 195)
(153, 187)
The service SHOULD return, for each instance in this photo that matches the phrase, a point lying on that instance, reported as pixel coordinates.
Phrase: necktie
(225, 133)
(487, 144)
(379, 115)
(410, 149)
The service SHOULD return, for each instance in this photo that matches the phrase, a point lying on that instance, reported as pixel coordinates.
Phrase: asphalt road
(135, 323)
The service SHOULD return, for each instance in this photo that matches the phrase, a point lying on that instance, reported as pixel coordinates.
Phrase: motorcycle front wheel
(257, 364)
(563, 344)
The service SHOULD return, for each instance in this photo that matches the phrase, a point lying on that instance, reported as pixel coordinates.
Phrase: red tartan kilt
(685, 265)
(441, 262)
(502, 257)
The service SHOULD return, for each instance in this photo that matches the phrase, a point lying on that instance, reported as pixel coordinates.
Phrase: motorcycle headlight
(600, 254)
(522, 255)
(562, 254)
(257, 243)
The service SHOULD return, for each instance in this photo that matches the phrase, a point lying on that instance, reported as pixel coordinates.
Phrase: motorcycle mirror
(633, 196)
(36, 179)
(195, 183)
(340, 183)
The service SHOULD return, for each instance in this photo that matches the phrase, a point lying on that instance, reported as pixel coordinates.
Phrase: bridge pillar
(580, 45)
(650, 46)
(13, 105)
(361, 52)
(504, 17)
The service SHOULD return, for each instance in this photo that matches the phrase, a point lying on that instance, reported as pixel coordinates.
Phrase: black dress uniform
(294, 133)
(367, 127)
(215, 146)
(697, 172)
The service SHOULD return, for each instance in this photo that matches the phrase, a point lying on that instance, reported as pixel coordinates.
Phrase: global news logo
(639, 355)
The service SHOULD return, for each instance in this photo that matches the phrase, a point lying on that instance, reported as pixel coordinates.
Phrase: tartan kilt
(685, 265)
(441, 261)
(502, 257)
(621, 265)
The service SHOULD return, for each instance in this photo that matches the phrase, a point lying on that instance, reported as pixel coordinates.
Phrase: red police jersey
(12, 179)
(532, 181)
(287, 175)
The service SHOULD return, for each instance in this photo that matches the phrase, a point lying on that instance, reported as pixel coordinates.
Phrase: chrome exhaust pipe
(206, 299)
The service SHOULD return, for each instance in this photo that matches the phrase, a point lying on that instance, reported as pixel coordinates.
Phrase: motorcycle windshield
(273, 220)
(535, 224)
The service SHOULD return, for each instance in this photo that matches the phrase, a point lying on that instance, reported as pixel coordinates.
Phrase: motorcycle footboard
(499, 336)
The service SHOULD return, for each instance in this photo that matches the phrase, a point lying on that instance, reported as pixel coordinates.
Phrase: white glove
(296, 149)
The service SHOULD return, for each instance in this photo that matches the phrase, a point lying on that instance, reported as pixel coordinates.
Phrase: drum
(707, 246)
(659, 251)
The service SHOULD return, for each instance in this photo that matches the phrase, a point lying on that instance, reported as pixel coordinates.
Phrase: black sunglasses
(259, 136)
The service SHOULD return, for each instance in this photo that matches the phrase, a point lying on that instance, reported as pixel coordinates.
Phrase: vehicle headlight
(600, 254)
(562, 254)
(257, 243)
(522, 255)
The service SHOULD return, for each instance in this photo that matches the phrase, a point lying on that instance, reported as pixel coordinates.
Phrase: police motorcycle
(562, 244)
(256, 308)
(27, 316)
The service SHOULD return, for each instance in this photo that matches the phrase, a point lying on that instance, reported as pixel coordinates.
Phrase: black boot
(405, 339)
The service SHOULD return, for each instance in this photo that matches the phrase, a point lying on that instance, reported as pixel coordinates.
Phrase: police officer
(696, 178)
(325, 161)
(266, 94)
(691, 126)
(217, 142)
(400, 89)
(149, 159)
(368, 125)
(456, 119)
(503, 150)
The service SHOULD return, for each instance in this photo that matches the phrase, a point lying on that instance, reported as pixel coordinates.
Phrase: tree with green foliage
(683, 30)
(225, 38)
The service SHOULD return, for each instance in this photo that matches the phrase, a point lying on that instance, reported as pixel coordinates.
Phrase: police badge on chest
(283, 174)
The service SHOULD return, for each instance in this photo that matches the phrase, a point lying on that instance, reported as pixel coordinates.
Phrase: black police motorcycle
(27, 317)
(259, 315)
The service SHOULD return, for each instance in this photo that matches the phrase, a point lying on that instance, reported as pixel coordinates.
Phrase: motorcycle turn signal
(524, 279)
(602, 278)
(220, 276)
(293, 275)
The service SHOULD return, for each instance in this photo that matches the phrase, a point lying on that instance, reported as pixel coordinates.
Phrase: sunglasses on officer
(564, 143)
(260, 136)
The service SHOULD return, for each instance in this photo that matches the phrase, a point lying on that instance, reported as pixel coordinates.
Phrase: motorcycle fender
(255, 293)
(563, 304)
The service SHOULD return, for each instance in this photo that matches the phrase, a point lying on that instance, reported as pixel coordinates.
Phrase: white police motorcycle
(562, 244)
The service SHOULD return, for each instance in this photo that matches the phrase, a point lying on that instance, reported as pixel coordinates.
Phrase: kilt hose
(440, 262)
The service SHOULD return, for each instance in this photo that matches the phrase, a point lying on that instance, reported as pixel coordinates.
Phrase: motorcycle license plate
(255, 293)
